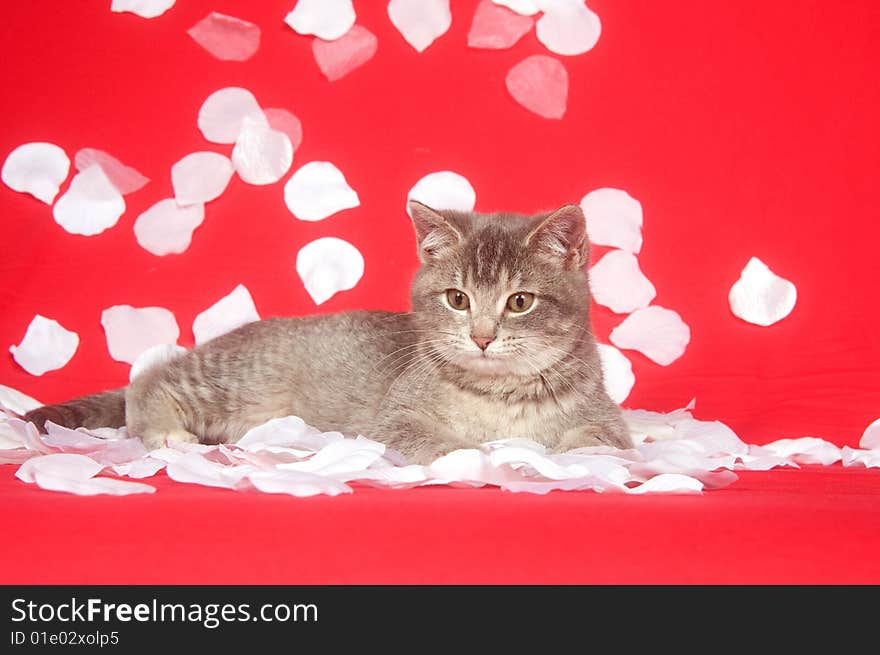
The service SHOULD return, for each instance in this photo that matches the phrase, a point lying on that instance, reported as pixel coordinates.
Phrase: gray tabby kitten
(498, 344)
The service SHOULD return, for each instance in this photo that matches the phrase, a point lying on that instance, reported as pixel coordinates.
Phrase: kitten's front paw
(612, 433)
(156, 440)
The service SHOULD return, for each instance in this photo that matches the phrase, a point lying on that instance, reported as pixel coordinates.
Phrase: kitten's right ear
(434, 233)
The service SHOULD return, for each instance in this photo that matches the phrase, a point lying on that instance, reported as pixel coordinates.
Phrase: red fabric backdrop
(745, 128)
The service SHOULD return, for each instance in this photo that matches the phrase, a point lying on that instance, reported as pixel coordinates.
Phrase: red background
(744, 129)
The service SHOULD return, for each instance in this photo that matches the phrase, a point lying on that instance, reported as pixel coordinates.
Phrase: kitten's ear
(434, 233)
(563, 234)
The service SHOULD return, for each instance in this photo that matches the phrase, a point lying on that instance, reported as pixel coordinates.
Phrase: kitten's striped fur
(416, 381)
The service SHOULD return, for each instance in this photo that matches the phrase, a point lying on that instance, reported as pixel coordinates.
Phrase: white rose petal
(871, 437)
(132, 330)
(326, 19)
(420, 22)
(143, 8)
(228, 313)
(166, 228)
(36, 168)
(522, 7)
(221, 114)
(318, 190)
(617, 372)
(90, 205)
(656, 332)
(495, 28)
(327, 266)
(618, 283)
(444, 190)
(614, 218)
(567, 27)
(760, 296)
(46, 346)
(261, 154)
(125, 178)
(226, 37)
(200, 177)
(13, 400)
(540, 84)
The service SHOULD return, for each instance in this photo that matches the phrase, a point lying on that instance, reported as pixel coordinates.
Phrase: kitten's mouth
(485, 363)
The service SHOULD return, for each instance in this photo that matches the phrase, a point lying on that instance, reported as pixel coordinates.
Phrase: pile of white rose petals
(674, 453)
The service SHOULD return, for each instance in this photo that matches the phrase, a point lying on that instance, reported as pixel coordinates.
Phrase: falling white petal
(614, 218)
(228, 313)
(36, 168)
(495, 27)
(540, 84)
(132, 330)
(420, 22)
(13, 400)
(617, 372)
(617, 282)
(444, 190)
(284, 121)
(567, 27)
(656, 332)
(166, 228)
(143, 8)
(760, 296)
(326, 19)
(90, 205)
(125, 178)
(221, 114)
(871, 437)
(226, 37)
(327, 266)
(200, 177)
(522, 7)
(318, 190)
(155, 356)
(261, 154)
(338, 58)
(46, 346)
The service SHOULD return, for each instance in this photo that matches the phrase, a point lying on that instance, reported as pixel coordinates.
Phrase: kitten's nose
(482, 342)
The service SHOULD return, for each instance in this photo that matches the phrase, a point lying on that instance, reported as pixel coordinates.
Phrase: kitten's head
(501, 294)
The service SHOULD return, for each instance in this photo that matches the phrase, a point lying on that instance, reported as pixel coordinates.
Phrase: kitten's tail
(100, 410)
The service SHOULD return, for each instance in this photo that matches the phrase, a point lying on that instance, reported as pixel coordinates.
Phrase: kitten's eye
(457, 299)
(520, 302)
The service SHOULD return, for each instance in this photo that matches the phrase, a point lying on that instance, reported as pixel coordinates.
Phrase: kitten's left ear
(563, 234)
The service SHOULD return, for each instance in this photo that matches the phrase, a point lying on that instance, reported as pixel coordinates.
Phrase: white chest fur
(474, 418)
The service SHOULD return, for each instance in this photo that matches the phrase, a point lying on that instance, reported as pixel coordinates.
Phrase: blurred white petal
(656, 332)
(614, 218)
(617, 282)
(540, 84)
(132, 330)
